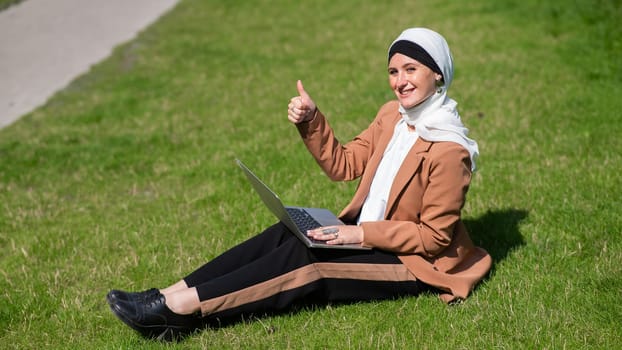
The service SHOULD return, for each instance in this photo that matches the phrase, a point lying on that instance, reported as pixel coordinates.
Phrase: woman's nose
(401, 80)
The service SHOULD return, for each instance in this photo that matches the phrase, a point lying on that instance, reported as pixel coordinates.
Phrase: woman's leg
(182, 297)
(230, 260)
(234, 258)
(292, 273)
(240, 255)
(269, 272)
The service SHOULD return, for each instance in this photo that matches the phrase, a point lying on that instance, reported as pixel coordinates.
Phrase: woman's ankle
(179, 286)
(183, 302)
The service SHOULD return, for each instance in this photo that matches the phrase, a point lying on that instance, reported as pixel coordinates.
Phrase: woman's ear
(439, 79)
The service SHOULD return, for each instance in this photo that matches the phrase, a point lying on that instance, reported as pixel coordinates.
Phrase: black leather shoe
(116, 294)
(154, 320)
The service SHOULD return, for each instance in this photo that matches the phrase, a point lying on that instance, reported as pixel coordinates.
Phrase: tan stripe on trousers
(305, 275)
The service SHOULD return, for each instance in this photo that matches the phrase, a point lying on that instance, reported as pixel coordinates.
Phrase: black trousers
(274, 270)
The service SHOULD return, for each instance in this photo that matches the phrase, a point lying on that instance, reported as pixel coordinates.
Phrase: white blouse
(375, 204)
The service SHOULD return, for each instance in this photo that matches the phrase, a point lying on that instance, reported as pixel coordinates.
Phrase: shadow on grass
(497, 232)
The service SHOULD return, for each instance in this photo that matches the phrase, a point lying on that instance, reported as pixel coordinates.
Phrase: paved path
(45, 44)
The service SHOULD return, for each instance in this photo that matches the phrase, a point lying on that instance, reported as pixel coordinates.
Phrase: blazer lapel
(362, 190)
(407, 170)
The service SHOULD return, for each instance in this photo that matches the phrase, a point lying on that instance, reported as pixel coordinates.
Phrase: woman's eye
(411, 69)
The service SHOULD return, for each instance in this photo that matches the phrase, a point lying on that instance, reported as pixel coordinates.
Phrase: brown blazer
(422, 223)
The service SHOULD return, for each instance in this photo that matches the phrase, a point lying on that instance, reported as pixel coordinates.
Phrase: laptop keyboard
(303, 220)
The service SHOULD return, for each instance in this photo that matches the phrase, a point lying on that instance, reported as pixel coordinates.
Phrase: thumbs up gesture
(300, 108)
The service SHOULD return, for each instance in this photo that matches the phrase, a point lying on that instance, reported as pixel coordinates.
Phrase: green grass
(127, 178)
(4, 4)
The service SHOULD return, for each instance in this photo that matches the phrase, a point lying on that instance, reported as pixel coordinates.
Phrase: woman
(417, 144)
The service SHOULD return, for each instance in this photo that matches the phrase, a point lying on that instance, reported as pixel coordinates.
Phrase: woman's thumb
(301, 90)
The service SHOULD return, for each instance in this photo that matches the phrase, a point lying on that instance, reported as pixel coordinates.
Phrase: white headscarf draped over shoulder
(436, 119)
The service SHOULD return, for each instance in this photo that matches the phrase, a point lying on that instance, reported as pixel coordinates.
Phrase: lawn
(127, 179)
(4, 4)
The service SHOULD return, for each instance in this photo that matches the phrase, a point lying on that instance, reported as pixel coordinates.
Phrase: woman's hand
(300, 108)
(342, 234)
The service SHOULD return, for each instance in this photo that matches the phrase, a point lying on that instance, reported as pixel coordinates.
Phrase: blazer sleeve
(341, 162)
(426, 230)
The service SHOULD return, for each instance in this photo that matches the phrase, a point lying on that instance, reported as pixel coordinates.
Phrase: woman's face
(411, 81)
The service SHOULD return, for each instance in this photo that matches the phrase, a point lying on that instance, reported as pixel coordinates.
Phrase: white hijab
(437, 118)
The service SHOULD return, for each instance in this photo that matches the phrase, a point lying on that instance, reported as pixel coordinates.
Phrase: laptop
(297, 219)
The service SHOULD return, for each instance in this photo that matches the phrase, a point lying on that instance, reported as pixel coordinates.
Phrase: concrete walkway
(45, 44)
